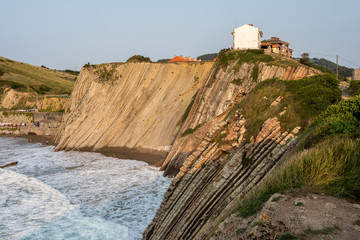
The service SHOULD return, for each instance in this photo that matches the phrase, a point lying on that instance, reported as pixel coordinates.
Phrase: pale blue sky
(66, 34)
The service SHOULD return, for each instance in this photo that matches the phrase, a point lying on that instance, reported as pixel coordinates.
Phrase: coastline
(151, 157)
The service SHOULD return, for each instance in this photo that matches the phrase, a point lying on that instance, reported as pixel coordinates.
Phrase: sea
(74, 195)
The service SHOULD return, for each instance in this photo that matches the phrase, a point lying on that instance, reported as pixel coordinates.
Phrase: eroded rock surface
(216, 166)
(309, 216)
(133, 105)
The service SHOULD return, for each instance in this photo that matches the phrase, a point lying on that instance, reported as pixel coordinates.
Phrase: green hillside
(28, 78)
(331, 66)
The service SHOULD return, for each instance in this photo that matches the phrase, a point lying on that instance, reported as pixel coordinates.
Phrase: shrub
(332, 166)
(355, 87)
(138, 58)
(89, 66)
(341, 118)
(42, 89)
(315, 93)
(163, 60)
(104, 74)
(72, 72)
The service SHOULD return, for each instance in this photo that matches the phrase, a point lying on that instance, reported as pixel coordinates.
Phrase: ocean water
(74, 195)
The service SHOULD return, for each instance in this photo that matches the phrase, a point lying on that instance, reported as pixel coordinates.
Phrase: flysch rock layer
(214, 178)
(215, 167)
(216, 97)
(133, 105)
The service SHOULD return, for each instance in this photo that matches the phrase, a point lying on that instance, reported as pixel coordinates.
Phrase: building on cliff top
(275, 45)
(182, 59)
(356, 74)
(246, 37)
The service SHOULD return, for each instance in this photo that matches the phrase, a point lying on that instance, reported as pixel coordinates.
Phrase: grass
(255, 73)
(226, 57)
(190, 130)
(27, 114)
(275, 199)
(322, 231)
(240, 231)
(26, 77)
(258, 223)
(303, 100)
(331, 166)
(238, 81)
(287, 236)
(187, 110)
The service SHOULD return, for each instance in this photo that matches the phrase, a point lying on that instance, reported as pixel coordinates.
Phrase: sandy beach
(152, 157)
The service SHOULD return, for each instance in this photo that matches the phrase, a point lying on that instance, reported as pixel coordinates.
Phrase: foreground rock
(9, 164)
(309, 216)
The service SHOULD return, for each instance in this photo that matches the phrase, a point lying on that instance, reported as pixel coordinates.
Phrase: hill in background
(331, 66)
(33, 79)
(207, 57)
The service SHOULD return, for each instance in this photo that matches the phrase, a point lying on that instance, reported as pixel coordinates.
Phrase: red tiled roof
(180, 59)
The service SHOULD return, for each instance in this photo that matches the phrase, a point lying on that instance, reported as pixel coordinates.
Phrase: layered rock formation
(133, 105)
(223, 90)
(217, 165)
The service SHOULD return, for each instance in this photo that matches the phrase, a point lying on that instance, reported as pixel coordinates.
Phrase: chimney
(251, 24)
(275, 38)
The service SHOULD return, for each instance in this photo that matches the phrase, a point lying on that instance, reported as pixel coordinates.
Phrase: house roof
(180, 59)
(273, 40)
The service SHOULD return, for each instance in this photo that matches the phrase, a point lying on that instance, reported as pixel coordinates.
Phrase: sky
(66, 34)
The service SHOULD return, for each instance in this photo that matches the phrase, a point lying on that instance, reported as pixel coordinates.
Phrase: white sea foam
(26, 204)
(114, 199)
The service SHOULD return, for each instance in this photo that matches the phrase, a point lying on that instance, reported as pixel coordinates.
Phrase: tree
(138, 58)
(305, 58)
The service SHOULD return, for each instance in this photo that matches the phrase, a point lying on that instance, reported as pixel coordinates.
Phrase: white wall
(246, 37)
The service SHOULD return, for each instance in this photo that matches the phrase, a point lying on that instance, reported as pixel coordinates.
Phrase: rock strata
(133, 105)
(217, 165)
(211, 180)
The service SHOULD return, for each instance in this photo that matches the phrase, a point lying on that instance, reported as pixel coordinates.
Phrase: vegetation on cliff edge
(330, 165)
(301, 101)
(355, 87)
(138, 58)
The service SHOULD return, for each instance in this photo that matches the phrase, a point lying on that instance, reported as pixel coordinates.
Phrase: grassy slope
(31, 78)
(302, 100)
(330, 164)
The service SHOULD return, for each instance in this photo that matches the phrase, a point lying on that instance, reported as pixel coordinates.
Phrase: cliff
(220, 93)
(132, 105)
(245, 118)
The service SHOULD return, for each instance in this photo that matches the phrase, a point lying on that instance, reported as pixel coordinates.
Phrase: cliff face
(223, 159)
(219, 94)
(134, 105)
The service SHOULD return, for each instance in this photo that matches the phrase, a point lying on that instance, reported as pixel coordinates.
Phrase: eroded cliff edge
(132, 105)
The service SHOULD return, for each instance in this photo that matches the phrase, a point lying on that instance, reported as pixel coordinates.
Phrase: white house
(246, 37)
